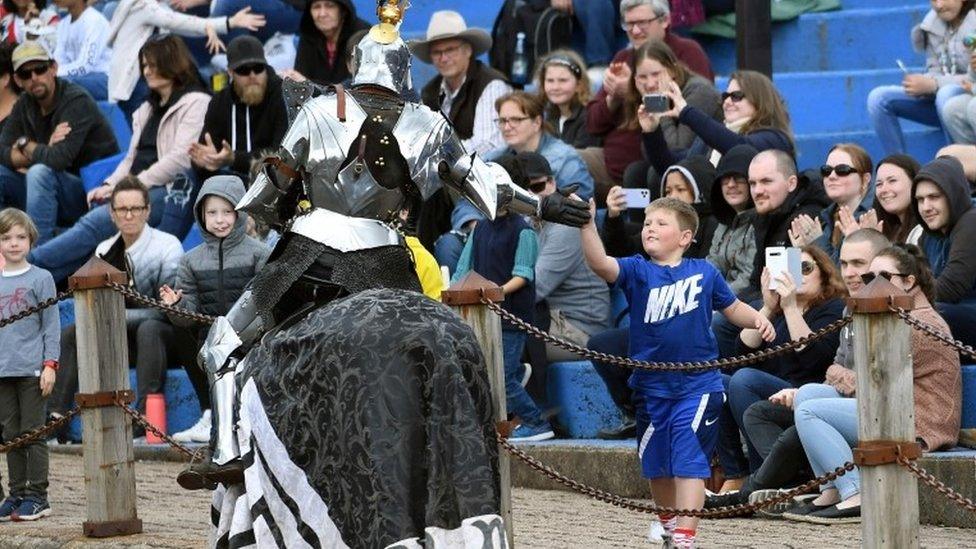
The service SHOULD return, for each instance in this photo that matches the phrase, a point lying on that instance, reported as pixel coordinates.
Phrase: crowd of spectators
(725, 158)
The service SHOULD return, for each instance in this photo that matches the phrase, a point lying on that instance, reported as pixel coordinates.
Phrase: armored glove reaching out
(562, 207)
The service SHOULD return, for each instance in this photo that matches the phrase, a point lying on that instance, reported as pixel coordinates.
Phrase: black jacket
(574, 130)
(91, 136)
(311, 59)
(268, 122)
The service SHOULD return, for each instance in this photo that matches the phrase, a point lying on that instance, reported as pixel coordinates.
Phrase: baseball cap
(245, 50)
(27, 52)
(534, 165)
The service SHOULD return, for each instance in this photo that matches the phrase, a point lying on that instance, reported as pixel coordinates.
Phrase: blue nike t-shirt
(671, 321)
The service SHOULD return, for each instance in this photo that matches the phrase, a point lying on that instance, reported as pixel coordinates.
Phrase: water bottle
(520, 63)
(969, 41)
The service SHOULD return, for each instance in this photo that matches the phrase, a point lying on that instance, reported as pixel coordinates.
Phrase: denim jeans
(51, 197)
(828, 430)
(63, 254)
(95, 83)
(615, 341)
(518, 400)
(448, 248)
(886, 104)
(279, 17)
(595, 29)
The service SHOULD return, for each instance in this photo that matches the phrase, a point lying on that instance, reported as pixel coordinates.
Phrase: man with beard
(55, 128)
(246, 117)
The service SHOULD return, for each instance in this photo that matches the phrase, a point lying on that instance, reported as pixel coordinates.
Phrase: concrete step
(612, 466)
(812, 148)
(833, 41)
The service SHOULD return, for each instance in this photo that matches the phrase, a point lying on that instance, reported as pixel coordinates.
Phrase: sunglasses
(807, 267)
(248, 70)
(735, 96)
(24, 73)
(842, 170)
(868, 277)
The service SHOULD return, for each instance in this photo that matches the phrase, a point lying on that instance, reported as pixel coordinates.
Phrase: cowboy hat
(447, 24)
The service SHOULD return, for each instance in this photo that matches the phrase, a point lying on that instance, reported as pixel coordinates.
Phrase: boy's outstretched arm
(744, 316)
(603, 265)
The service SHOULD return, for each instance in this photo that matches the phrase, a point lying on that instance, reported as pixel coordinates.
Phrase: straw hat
(447, 24)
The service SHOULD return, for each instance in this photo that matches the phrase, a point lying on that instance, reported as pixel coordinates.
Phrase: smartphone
(780, 259)
(637, 198)
(657, 102)
(901, 65)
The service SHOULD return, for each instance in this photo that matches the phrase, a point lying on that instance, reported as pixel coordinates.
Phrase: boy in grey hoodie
(210, 279)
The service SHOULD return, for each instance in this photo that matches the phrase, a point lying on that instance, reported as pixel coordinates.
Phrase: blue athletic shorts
(676, 437)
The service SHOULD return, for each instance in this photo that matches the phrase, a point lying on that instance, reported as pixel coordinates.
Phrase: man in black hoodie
(323, 36)
(940, 195)
(244, 118)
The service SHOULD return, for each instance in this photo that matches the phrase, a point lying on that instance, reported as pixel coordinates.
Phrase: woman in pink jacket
(163, 128)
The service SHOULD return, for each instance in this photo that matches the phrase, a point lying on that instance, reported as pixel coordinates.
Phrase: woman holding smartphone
(655, 69)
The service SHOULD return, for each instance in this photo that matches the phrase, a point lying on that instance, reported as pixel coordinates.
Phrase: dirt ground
(176, 518)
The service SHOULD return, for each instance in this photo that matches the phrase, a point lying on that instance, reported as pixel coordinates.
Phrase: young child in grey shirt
(28, 362)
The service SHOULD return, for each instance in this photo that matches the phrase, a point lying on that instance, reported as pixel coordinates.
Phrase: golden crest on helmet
(389, 13)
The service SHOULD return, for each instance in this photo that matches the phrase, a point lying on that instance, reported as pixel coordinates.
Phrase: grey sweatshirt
(563, 279)
(27, 343)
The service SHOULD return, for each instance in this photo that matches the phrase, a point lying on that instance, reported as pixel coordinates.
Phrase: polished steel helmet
(382, 57)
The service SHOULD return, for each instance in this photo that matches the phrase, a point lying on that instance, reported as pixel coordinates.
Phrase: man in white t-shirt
(82, 50)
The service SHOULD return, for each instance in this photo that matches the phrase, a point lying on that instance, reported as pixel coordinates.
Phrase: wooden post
(886, 412)
(754, 36)
(103, 368)
(465, 298)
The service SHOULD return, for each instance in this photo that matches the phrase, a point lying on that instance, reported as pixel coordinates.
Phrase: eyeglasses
(807, 267)
(513, 120)
(842, 170)
(248, 70)
(446, 52)
(640, 23)
(126, 212)
(868, 277)
(735, 96)
(24, 73)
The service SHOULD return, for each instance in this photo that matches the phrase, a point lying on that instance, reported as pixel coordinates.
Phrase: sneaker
(728, 499)
(8, 506)
(626, 429)
(775, 510)
(200, 432)
(835, 515)
(525, 433)
(527, 373)
(30, 509)
(657, 534)
(801, 509)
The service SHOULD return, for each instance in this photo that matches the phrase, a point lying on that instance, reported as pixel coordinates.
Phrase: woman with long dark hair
(323, 41)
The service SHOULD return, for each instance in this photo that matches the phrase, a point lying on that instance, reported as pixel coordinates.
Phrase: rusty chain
(157, 304)
(938, 485)
(150, 428)
(36, 308)
(748, 358)
(933, 332)
(40, 432)
(626, 503)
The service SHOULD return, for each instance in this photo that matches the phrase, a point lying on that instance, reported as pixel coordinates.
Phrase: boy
(28, 362)
(671, 303)
(211, 277)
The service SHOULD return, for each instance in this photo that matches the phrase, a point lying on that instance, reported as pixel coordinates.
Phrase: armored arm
(271, 196)
(232, 335)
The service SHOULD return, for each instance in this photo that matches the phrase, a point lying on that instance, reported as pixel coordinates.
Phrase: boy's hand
(591, 222)
(765, 328)
(48, 376)
(168, 296)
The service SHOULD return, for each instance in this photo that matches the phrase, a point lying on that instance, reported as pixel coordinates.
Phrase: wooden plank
(108, 455)
(487, 328)
(889, 493)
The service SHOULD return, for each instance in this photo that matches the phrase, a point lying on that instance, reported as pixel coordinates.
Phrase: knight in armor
(351, 160)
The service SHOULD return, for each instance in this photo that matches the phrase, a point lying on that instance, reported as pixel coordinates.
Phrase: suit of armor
(351, 160)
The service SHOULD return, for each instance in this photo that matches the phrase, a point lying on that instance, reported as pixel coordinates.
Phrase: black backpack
(545, 29)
